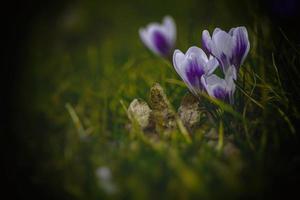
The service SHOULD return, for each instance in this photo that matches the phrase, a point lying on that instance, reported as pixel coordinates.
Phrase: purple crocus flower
(192, 65)
(219, 88)
(229, 48)
(160, 38)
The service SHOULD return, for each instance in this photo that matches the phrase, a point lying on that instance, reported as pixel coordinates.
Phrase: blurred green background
(86, 57)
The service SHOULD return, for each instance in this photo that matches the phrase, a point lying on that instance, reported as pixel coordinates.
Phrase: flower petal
(216, 31)
(219, 88)
(161, 43)
(196, 61)
(170, 29)
(197, 53)
(180, 64)
(241, 45)
(146, 36)
(231, 31)
(220, 93)
(222, 48)
(230, 77)
(211, 65)
(212, 81)
(224, 42)
(194, 71)
(206, 41)
(231, 73)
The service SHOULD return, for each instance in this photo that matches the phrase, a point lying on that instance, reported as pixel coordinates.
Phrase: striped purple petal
(161, 43)
(206, 42)
(221, 93)
(241, 47)
(194, 71)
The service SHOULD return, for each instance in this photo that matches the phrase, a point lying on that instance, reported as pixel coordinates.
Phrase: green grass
(86, 62)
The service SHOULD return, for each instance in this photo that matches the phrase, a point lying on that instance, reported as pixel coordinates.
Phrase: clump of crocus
(196, 67)
(229, 48)
(160, 38)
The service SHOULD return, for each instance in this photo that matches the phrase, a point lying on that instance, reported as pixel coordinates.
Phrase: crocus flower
(229, 48)
(192, 65)
(219, 88)
(160, 38)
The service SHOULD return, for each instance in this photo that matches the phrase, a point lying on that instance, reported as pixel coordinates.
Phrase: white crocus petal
(216, 31)
(231, 73)
(145, 38)
(207, 64)
(178, 62)
(170, 29)
(224, 41)
(197, 53)
(206, 41)
(181, 64)
(222, 48)
(150, 32)
(146, 34)
(211, 65)
(231, 31)
(230, 77)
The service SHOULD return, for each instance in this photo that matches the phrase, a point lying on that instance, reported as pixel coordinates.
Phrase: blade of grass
(285, 117)
(253, 100)
(175, 82)
(76, 120)
(224, 106)
(276, 70)
(221, 136)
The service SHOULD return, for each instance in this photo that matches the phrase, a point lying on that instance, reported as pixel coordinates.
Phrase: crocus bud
(192, 65)
(229, 48)
(160, 38)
